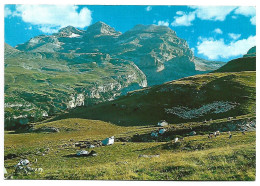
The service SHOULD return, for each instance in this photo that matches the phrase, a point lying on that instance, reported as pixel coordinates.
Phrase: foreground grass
(194, 158)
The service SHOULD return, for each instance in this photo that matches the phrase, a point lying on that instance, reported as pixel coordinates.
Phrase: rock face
(158, 52)
(83, 67)
(76, 100)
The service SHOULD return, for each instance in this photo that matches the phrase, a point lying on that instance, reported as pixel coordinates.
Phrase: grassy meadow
(192, 158)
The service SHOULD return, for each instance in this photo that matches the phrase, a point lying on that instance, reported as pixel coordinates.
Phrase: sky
(213, 32)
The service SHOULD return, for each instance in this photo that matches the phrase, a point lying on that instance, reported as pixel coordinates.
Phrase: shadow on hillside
(76, 156)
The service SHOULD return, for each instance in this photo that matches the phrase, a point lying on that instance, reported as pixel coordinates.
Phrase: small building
(162, 123)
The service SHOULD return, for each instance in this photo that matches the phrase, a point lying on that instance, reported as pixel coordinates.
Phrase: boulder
(162, 123)
(82, 152)
(154, 134)
(162, 131)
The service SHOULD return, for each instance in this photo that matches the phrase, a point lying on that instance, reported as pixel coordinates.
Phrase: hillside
(238, 65)
(195, 98)
(42, 84)
(251, 52)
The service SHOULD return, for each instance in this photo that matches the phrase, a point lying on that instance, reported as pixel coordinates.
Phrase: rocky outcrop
(215, 107)
(76, 100)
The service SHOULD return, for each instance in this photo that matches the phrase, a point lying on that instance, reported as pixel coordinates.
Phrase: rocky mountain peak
(101, 28)
(70, 31)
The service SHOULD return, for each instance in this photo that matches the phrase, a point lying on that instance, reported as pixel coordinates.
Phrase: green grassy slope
(45, 82)
(194, 98)
(238, 65)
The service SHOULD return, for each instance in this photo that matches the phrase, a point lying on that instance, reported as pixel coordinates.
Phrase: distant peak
(67, 28)
(101, 28)
(100, 23)
(70, 29)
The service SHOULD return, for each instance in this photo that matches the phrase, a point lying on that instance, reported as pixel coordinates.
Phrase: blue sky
(214, 33)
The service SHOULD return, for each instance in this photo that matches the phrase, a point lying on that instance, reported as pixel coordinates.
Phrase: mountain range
(52, 73)
(156, 50)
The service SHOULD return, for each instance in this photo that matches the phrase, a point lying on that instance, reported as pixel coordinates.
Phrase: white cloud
(193, 50)
(214, 13)
(218, 31)
(28, 28)
(49, 29)
(50, 18)
(148, 8)
(163, 23)
(253, 20)
(8, 12)
(246, 11)
(184, 20)
(215, 49)
(234, 36)
(179, 12)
